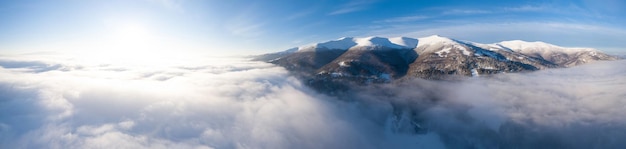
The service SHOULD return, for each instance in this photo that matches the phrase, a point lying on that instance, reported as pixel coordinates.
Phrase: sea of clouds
(56, 101)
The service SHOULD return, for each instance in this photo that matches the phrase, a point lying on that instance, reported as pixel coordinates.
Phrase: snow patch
(377, 41)
(343, 64)
(433, 39)
(336, 74)
(404, 41)
(489, 67)
(346, 43)
(436, 39)
(474, 72)
(341, 43)
(445, 50)
(539, 47)
(463, 49)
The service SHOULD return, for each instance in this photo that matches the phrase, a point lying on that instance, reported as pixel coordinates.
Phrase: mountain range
(379, 59)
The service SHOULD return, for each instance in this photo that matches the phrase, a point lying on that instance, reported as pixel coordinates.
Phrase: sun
(132, 36)
(133, 42)
(129, 43)
(132, 32)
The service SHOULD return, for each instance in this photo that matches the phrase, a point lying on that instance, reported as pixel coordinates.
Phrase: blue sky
(239, 27)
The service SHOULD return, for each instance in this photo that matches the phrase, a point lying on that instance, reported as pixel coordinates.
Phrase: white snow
(377, 41)
(445, 50)
(336, 74)
(435, 39)
(520, 44)
(404, 41)
(474, 72)
(341, 43)
(489, 67)
(343, 64)
(463, 49)
(539, 47)
(346, 43)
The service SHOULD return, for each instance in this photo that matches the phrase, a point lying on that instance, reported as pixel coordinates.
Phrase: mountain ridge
(378, 59)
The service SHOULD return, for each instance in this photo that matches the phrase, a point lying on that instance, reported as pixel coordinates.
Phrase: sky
(237, 27)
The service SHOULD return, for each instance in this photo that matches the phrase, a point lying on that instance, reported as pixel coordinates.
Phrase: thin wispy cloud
(527, 8)
(352, 6)
(245, 24)
(301, 14)
(465, 12)
(247, 30)
(404, 19)
(175, 5)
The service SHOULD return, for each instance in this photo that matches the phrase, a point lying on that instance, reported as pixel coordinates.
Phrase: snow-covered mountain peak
(345, 38)
(520, 44)
(434, 39)
(404, 41)
(378, 42)
(341, 43)
(346, 43)
(539, 47)
(375, 42)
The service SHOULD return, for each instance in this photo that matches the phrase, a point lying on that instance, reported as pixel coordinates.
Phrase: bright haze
(177, 74)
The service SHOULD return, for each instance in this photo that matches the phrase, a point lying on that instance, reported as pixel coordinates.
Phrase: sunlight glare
(133, 43)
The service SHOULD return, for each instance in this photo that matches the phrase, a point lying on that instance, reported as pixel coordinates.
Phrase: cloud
(175, 5)
(247, 30)
(245, 24)
(235, 103)
(352, 6)
(465, 12)
(33, 66)
(301, 14)
(528, 8)
(559, 108)
(404, 19)
(611, 6)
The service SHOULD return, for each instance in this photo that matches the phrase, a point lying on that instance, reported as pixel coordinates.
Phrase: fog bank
(52, 102)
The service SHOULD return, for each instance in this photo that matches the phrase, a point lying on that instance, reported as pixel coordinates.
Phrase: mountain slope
(441, 56)
(379, 59)
(566, 57)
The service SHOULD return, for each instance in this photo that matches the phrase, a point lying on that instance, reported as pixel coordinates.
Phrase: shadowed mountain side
(371, 62)
(332, 71)
(308, 61)
(273, 56)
